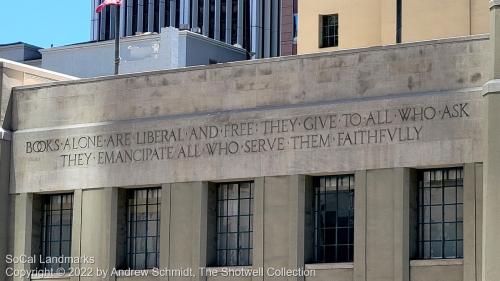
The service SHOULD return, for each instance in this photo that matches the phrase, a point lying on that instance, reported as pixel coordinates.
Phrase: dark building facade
(253, 24)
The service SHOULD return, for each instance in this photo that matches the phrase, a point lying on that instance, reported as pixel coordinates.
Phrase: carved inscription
(320, 131)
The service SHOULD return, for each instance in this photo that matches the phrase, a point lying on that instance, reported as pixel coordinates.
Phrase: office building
(329, 25)
(253, 24)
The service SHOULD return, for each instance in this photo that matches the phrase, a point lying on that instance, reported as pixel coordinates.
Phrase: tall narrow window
(145, 16)
(440, 214)
(143, 228)
(334, 219)
(135, 9)
(234, 223)
(329, 31)
(156, 13)
(56, 228)
(295, 29)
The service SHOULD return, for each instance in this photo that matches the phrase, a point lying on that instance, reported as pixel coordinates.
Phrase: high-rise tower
(253, 24)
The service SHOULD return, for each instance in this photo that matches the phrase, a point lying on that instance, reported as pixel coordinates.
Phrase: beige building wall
(13, 74)
(380, 80)
(359, 25)
(382, 241)
(366, 23)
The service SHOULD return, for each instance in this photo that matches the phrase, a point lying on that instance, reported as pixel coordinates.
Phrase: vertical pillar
(5, 151)
(163, 18)
(217, 26)
(112, 25)
(151, 15)
(194, 14)
(256, 28)
(76, 230)
(99, 229)
(387, 224)
(94, 28)
(495, 36)
(187, 225)
(206, 17)
(284, 211)
(469, 217)
(258, 225)
(479, 218)
(491, 192)
(173, 12)
(22, 230)
(275, 27)
(199, 224)
(360, 226)
(184, 12)
(140, 15)
(129, 19)
(267, 29)
(296, 225)
(402, 224)
(123, 13)
(102, 25)
(165, 226)
(239, 24)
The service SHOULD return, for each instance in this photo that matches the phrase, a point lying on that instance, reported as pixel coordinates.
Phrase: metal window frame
(47, 226)
(132, 221)
(239, 247)
(423, 221)
(324, 31)
(319, 192)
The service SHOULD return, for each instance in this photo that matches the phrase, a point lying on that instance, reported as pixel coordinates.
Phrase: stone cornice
(491, 87)
(494, 3)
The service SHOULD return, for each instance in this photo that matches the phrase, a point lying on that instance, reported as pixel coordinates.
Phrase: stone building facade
(368, 164)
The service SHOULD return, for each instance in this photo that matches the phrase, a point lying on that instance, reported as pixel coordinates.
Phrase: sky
(45, 22)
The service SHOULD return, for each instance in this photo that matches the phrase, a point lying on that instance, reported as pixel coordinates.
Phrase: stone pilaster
(491, 192)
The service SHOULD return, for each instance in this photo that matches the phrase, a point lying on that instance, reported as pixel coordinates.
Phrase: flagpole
(117, 40)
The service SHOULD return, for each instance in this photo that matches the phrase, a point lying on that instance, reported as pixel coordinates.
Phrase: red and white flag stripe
(107, 3)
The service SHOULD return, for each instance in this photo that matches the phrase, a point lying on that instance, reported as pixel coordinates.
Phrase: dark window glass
(295, 26)
(156, 13)
(234, 223)
(108, 23)
(440, 214)
(56, 224)
(143, 228)
(145, 15)
(135, 6)
(222, 20)
(329, 31)
(211, 19)
(234, 22)
(334, 219)
(246, 24)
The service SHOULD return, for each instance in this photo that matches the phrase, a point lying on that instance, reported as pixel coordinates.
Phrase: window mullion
(443, 215)
(60, 226)
(238, 228)
(337, 180)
